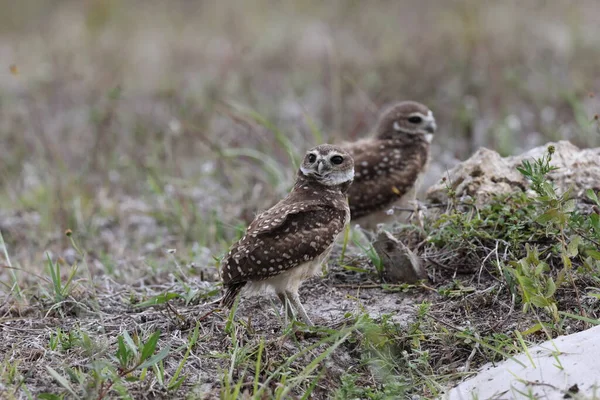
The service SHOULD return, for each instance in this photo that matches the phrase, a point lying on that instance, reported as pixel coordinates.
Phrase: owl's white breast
(290, 280)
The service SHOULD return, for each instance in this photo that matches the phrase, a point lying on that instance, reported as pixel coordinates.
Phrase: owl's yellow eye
(312, 158)
(337, 160)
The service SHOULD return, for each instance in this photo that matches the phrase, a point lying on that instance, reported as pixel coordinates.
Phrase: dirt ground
(477, 303)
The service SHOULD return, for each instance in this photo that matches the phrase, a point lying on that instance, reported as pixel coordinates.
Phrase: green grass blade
(62, 381)
(580, 318)
(150, 346)
(261, 346)
(156, 358)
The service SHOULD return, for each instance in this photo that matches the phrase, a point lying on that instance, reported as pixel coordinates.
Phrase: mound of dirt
(487, 174)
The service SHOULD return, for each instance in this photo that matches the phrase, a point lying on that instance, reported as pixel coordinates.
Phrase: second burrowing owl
(389, 164)
(288, 243)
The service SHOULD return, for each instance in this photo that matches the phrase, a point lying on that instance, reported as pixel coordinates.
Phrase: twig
(484, 260)
(171, 309)
(207, 314)
(358, 286)
(456, 328)
(104, 390)
(510, 311)
(583, 235)
(424, 286)
(28, 272)
(536, 383)
(19, 329)
(396, 208)
(437, 264)
(473, 352)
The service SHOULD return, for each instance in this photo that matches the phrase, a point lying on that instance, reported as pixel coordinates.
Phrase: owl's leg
(419, 212)
(368, 234)
(287, 308)
(294, 298)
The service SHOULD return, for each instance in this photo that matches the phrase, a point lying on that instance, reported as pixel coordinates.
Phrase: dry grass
(145, 126)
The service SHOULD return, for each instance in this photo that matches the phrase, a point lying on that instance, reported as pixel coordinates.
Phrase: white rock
(487, 174)
(557, 366)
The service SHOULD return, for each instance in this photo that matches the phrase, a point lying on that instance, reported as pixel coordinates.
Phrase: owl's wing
(374, 195)
(355, 148)
(381, 179)
(300, 233)
(276, 216)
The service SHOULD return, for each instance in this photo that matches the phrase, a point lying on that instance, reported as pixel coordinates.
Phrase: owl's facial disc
(335, 178)
(416, 122)
(331, 168)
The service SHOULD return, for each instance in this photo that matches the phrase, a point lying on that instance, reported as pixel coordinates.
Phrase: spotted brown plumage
(288, 243)
(388, 165)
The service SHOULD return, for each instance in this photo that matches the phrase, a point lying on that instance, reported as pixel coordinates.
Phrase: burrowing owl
(389, 164)
(288, 243)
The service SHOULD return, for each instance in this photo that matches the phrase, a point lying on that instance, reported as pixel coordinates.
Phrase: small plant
(575, 234)
(372, 255)
(13, 287)
(64, 341)
(60, 289)
(536, 286)
(177, 379)
(132, 356)
(537, 173)
(9, 371)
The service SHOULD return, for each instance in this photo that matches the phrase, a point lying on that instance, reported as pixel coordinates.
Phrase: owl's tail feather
(232, 292)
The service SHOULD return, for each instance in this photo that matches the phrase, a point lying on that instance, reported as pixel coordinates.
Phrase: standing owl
(287, 244)
(390, 163)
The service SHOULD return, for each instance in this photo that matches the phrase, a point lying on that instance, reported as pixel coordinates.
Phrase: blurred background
(147, 125)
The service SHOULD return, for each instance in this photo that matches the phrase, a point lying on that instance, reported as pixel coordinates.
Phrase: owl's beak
(431, 128)
(320, 167)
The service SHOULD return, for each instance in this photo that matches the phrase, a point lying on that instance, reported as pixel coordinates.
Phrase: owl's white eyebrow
(429, 117)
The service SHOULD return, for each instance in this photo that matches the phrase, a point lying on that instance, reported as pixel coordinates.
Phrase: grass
(153, 135)
(161, 336)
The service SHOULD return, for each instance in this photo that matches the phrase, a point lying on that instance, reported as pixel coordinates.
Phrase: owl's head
(406, 118)
(328, 165)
